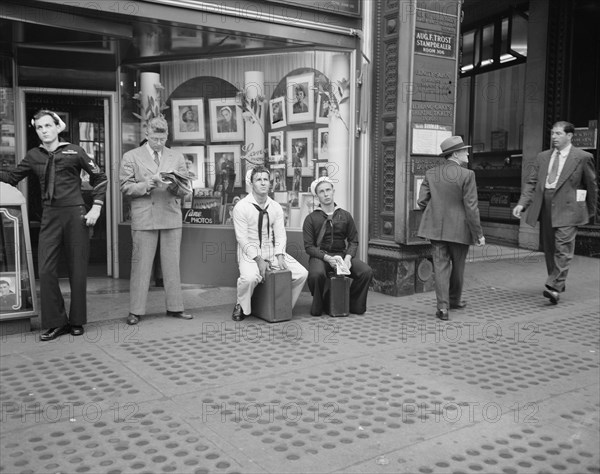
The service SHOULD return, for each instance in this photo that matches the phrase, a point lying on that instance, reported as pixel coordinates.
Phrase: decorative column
(150, 98)
(254, 120)
(339, 133)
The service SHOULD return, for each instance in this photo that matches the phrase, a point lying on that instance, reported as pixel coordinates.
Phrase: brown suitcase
(339, 296)
(272, 299)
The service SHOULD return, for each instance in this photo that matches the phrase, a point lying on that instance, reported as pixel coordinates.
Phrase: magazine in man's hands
(179, 180)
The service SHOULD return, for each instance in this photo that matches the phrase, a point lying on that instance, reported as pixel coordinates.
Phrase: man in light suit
(448, 199)
(155, 212)
(561, 192)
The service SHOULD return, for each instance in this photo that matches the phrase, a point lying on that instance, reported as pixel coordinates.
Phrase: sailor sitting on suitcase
(261, 241)
(329, 231)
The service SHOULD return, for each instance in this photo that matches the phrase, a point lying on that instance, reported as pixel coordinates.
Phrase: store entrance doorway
(86, 117)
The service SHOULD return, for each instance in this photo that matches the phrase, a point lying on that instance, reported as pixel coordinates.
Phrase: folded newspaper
(177, 180)
(340, 266)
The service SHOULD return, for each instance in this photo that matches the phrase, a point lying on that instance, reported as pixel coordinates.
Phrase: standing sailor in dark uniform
(65, 220)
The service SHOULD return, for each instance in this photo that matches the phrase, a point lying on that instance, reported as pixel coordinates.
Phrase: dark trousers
(449, 267)
(63, 228)
(318, 283)
(558, 244)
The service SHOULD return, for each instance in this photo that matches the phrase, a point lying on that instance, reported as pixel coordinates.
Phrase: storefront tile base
(401, 277)
(15, 326)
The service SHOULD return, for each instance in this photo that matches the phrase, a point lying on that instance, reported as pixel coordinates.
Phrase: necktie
(156, 159)
(329, 221)
(49, 175)
(553, 174)
(261, 213)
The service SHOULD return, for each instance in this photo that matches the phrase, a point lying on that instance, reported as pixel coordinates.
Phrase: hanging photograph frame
(323, 144)
(226, 122)
(323, 106)
(299, 146)
(188, 119)
(277, 113)
(224, 158)
(194, 157)
(276, 146)
(300, 98)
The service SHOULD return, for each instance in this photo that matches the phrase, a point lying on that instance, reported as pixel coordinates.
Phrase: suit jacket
(159, 208)
(577, 173)
(448, 197)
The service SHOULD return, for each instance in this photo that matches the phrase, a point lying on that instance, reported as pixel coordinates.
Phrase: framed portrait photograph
(299, 146)
(277, 115)
(188, 119)
(306, 204)
(224, 168)
(323, 105)
(194, 161)
(293, 199)
(278, 178)
(10, 295)
(323, 144)
(286, 214)
(228, 214)
(321, 169)
(275, 146)
(300, 98)
(226, 122)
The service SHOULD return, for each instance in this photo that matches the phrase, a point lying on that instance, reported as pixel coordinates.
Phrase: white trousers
(250, 277)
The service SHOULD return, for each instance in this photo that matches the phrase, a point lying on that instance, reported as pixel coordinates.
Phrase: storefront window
(228, 115)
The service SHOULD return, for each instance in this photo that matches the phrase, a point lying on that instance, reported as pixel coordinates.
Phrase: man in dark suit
(155, 212)
(561, 192)
(448, 197)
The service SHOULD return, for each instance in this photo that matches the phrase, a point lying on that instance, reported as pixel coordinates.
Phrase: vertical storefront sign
(433, 92)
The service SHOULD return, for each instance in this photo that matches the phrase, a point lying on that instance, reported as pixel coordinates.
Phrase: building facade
(359, 90)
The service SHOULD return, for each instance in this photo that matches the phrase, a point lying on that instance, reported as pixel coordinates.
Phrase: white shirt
(562, 157)
(245, 223)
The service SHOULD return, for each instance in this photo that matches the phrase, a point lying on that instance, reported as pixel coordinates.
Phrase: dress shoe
(133, 319)
(459, 305)
(179, 314)
(238, 313)
(77, 330)
(552, 296)
(53, 333)
(442, 314)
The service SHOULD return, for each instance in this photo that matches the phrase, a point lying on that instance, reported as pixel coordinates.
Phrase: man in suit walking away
(561, 192)
(448, 199)
(155, 212)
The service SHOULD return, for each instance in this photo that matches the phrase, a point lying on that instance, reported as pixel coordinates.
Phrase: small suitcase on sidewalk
(272, 299)
(339, 296)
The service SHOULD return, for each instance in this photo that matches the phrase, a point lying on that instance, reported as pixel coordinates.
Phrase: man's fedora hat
(452, 144)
